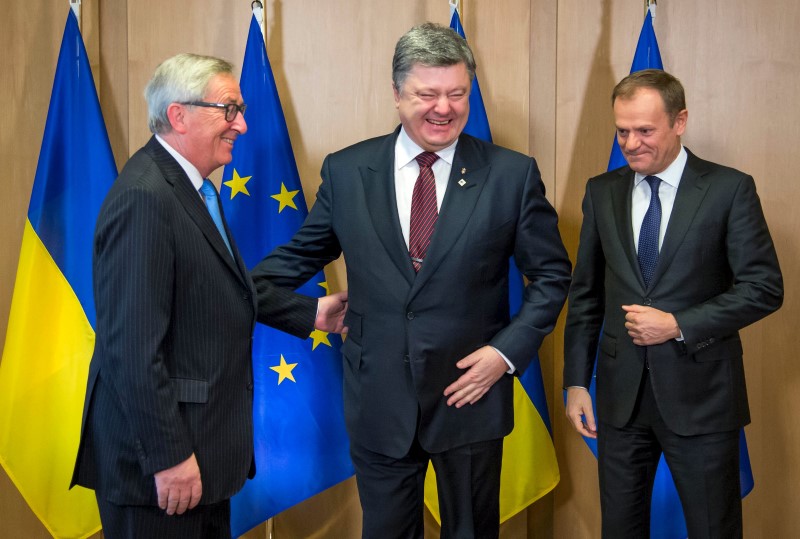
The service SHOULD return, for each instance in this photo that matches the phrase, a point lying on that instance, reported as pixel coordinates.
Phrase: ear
(680, 121)
(396, 93)
(177, 115)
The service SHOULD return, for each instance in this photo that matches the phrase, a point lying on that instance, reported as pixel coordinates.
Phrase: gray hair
(431, 45)
(179, 79)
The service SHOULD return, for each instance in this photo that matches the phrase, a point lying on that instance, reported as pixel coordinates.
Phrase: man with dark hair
(167, 433)
(674, 259)
(427, 219)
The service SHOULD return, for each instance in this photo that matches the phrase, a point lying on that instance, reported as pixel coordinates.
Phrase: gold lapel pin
(462, 182)
(463, 171)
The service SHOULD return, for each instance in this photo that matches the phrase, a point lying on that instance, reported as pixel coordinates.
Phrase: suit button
(406, 359)
(250, 386)
(410, 315)
(647, 302)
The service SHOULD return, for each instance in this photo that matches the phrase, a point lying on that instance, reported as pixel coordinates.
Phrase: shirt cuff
(511, 367)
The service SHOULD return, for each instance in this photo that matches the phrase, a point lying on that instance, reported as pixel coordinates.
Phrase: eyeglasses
(230, 108)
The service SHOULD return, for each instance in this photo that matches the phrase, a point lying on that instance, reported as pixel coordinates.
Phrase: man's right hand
(179, 488)
(580, 412)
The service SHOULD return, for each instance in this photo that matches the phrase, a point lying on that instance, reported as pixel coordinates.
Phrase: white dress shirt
(406, 171)
(670, 179)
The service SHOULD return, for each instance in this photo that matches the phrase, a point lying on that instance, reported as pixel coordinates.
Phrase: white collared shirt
(406, 171)
(670, 179)
(188, 168)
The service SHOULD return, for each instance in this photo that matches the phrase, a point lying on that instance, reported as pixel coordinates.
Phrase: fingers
(580, 412)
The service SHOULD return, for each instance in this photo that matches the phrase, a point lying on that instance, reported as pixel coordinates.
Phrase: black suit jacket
(717, 273)
(171, 372)
(408, 330)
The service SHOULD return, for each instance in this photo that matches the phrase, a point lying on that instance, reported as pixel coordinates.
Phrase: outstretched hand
(330, 313)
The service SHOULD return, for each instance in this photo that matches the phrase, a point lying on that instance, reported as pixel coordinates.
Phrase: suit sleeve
(586, 302)
(757, 284)
(134, 279)
(540, 256)
(308, 252)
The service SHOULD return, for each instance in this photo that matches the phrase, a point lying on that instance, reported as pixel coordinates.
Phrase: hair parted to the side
(179, 79)
(669, 87)
(431, 45)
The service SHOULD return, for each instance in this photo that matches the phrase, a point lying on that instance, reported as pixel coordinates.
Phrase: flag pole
(651, 6)
(260, 14)
(75, 5)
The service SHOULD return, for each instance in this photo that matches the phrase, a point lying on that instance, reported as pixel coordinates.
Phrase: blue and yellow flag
(301, 446)
(50, 335)
(666, 514)
(530, 469)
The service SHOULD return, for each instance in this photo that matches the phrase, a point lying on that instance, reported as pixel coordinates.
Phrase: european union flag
(301, 446)
(666, 513)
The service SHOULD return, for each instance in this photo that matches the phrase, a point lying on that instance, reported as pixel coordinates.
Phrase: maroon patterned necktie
(423, 210)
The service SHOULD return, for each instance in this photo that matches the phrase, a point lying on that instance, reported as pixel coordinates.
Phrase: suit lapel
(621, 200)
(190, 199)
(691, 191)
(463, 191)
(378, 180)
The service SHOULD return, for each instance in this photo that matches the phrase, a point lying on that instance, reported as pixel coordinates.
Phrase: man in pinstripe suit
(167, 433)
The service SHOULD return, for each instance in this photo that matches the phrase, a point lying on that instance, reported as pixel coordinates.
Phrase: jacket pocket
(188, 390)
(608, 345)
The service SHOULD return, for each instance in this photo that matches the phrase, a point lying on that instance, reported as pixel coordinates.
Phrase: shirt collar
(188, 168)
(406, 150)
(670, 175)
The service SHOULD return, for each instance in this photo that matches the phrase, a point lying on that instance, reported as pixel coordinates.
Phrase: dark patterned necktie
(423, 210)
(648, 235)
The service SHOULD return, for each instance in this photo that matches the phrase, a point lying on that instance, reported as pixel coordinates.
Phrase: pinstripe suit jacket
(171, 373)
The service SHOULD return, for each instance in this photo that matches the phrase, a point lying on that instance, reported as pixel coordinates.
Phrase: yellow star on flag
(324, 284)
(238, 184)
(284, 370)
(285, 198)
(319, 337)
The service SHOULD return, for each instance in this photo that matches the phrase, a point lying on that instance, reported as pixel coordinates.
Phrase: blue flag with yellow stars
(301, 447)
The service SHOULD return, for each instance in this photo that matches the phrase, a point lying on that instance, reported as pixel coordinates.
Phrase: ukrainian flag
(50, 334)
(530, 469)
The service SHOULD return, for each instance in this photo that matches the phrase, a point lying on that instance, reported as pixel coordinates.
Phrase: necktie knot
(654, 182)
(208, 190)
(426, 159)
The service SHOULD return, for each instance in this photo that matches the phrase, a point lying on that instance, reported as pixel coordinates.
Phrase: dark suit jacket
(717, 273)
(408, 330)
(171, 372)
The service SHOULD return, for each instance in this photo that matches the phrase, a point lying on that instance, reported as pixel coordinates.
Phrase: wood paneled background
(546, 68)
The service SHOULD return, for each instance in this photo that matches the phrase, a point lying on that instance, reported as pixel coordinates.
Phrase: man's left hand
(648, 326)
(484, 367)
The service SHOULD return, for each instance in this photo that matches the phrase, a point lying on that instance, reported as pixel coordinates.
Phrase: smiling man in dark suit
(662, 285)
(167, 433)
(427, 219)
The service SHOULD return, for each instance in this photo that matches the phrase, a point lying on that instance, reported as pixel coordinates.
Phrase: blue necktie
(212, 201)
(648, 234)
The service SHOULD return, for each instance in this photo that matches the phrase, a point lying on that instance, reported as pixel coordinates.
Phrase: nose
(239, 123)
(442, 105)
(631, 142)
